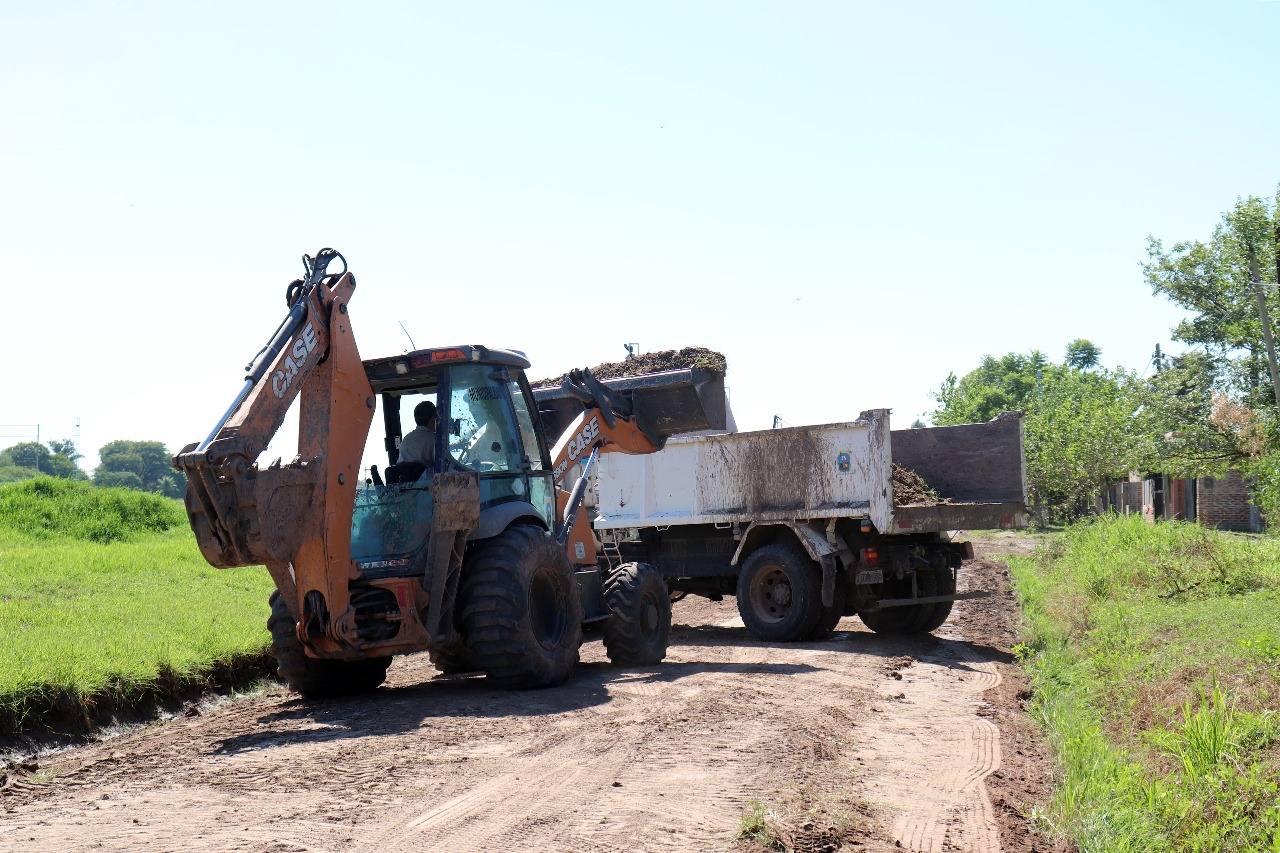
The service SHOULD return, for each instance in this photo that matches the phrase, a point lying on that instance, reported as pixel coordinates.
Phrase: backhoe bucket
(664, 404)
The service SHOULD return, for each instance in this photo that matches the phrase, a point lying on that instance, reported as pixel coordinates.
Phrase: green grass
(1155, 657)
(105, 599)
(48, 508)
(754, 826)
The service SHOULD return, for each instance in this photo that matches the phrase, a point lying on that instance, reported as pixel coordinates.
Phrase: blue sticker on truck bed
(843, 462)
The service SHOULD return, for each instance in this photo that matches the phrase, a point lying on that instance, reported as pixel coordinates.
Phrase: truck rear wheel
(831, 616)
(317, 678)
(637, 632)
(780, 593)
(916, 618)
(944, 584)
(520, 608)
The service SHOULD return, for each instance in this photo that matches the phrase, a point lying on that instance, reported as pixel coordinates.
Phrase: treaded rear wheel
(640, 627)
(916, 618)
(831, 616)
(312, 677)
(780, 593)
(453, 658)
(521, 613)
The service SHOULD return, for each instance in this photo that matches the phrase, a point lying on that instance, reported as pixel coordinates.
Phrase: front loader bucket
(665, 404)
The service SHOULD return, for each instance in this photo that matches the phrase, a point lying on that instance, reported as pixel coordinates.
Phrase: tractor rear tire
(780, 593)
(640, 627)
(521, 612)
(317, 678)
(453, 658)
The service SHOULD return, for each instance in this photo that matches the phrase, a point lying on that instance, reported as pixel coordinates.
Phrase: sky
(850, 200)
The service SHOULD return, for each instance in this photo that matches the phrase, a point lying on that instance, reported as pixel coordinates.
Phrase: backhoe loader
(484, 558)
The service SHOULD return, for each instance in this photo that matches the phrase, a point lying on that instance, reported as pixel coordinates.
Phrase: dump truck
(801, 525)
(480, 555)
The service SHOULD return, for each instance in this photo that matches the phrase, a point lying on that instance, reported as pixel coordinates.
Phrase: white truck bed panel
(831, 470)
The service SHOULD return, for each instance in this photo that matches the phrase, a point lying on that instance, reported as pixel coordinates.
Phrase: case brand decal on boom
(302, 347)
(580, 442)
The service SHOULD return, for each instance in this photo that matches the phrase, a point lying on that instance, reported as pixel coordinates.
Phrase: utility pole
(1158, 359)
(1266, 320)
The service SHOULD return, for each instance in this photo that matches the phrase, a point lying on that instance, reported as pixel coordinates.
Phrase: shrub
(45, 508)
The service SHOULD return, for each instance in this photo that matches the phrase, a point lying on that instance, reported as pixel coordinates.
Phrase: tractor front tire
(316, 678)
(637, 632)
(521, 611)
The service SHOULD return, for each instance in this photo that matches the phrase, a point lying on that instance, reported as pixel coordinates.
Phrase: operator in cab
(420, 444)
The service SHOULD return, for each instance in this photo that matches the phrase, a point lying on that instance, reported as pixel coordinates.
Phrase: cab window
(528, 432)
(482, 430)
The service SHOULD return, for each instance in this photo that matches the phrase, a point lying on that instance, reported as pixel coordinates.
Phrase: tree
(147, 461)
(1212, 280)
(118, 480)
(1079, 431)
(29, 454)
(66, 447)
(1079, 435)
(33, 457)
(995, 386)
(1083, 354)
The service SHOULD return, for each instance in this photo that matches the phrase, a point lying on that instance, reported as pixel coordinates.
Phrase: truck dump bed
(827, 471)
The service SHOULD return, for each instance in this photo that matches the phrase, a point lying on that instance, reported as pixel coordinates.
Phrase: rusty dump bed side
(978, 470)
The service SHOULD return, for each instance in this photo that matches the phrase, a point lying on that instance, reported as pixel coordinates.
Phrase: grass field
(105, 601)
(1155, 657)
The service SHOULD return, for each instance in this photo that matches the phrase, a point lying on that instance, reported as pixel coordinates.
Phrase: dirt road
(871, 742)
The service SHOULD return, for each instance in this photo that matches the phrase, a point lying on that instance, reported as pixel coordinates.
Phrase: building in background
(1221, 502)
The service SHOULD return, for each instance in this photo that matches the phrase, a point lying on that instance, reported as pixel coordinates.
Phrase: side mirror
(455, 426)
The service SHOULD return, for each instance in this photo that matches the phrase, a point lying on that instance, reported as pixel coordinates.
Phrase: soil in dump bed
(910, 488)
(650, 362)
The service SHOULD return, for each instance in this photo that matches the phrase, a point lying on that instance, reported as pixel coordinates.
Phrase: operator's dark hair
(423, 412)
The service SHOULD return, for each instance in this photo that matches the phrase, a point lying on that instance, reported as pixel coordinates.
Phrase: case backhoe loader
(484, 558)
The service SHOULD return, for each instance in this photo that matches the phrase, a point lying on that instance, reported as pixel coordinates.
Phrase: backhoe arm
(606, 425)
(299, 514)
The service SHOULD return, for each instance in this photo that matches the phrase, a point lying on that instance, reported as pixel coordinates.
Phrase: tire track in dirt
(928, 755)
(648, 759)
(661, 758)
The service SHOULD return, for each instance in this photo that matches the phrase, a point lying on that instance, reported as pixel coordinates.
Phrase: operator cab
(485, 423)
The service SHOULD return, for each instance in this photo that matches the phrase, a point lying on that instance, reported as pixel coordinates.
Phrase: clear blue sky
(849, 200)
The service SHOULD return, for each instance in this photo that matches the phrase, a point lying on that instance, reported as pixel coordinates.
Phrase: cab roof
(399, 369)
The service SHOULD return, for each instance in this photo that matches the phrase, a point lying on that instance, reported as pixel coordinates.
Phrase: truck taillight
(870, 556)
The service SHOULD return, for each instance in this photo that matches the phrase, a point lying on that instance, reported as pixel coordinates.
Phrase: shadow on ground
(393, 710)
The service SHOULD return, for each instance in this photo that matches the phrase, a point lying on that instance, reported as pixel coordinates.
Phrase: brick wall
(1223, 502)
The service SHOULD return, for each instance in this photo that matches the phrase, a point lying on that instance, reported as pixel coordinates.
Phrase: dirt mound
(910, 488)
(651, 362)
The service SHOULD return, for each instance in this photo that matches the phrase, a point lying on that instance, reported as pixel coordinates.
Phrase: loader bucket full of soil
(666, 397)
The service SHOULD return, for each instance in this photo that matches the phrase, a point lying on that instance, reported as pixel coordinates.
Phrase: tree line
(140, 465)
(1202, 411)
